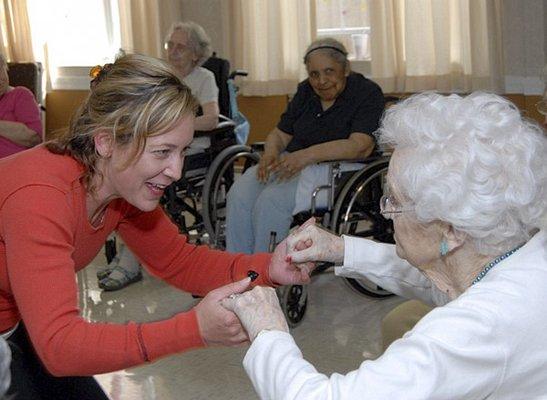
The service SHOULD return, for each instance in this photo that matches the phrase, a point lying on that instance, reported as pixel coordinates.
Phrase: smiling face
(326, 76)
(179, 52)
(141, 182)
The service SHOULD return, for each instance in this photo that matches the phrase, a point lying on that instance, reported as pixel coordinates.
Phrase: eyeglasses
(389, 206)
(541, 106)
(175, 46)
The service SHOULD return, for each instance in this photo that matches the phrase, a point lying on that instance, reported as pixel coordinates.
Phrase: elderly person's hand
(257, 310)
(265, 166)
(290, 164)
(217, 325)
(313, 243)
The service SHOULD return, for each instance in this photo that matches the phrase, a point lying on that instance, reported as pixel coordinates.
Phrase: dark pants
(30, 380)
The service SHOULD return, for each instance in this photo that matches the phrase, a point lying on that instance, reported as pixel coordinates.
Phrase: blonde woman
(58, 204)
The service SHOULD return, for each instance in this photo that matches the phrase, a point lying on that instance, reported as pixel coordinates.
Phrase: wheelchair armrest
(373, 157)
(258, 146)
(224, 124)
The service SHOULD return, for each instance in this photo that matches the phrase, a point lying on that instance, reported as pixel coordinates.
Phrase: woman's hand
(313, 243)
(257, 310)
(265, 166)
(217, 325)
(290, 164)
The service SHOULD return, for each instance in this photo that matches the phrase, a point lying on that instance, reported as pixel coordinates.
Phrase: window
(69, 36)
(347, 21)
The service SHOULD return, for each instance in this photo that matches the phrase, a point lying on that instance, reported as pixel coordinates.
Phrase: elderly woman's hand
(265, 166)
(257, 310)
(313, 243)
(290, 164)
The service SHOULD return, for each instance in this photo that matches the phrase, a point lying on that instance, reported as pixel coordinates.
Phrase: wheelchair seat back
(221, 69)
(28, 75)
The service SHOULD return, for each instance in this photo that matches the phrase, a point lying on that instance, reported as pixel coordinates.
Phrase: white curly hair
(198, 39)
(475, 163)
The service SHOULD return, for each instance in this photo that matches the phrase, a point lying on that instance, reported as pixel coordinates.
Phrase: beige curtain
(444, 45)
(268, 39)
(15, 39)
(144, 23)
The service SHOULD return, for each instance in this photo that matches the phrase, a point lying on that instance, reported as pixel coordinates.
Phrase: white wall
(207, 13)
(524, 28)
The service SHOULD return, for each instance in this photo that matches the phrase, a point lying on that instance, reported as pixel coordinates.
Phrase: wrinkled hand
(290, 164)
(258, 309)
(265, 167)
(217, 325)
(285, 272)
(313, 243)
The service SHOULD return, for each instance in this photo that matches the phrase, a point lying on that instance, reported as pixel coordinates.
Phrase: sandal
(110, 284)
(105, 271)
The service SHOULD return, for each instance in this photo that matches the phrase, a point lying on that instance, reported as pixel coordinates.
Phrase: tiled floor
(341, 329)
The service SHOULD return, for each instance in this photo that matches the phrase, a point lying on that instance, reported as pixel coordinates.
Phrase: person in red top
(58, 204)
(20, 123)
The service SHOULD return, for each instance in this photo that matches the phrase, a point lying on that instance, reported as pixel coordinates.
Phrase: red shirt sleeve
(156, 241)
(38, 229)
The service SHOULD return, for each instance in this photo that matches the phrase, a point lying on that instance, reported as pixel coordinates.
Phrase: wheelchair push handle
(238, 72)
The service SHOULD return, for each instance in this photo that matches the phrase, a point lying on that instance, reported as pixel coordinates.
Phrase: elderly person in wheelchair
(188, 47)
(20, 122)
(467, 192)
(331, 117)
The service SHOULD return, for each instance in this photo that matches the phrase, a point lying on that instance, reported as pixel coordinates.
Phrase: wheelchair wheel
(357, 213)
(294, 301)
(225, 169)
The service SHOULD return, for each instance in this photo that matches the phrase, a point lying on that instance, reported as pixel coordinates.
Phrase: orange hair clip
(95, 71)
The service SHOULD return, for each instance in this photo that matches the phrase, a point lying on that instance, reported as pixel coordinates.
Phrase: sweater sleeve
(27, 110)
(38, 229)
(453, 353)
(166, 253)
(378, 262)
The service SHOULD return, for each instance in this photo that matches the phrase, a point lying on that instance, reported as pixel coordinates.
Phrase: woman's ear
(453, 237)
(104, 144)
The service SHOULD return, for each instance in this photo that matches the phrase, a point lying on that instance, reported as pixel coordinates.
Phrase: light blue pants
(255, 209)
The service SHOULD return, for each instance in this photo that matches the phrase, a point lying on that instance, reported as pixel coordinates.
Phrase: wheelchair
(352, 208)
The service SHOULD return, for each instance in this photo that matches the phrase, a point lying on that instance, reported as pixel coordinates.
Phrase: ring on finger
(233, 296)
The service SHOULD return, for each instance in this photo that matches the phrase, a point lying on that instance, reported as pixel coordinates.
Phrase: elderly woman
(467, 192)
(332, 117)
(58, 204)
(188, 47)
(20, 123)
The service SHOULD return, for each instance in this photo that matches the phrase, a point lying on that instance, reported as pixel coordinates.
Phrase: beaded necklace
(491, 264)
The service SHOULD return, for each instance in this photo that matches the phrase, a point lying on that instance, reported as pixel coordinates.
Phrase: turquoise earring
(444, 248)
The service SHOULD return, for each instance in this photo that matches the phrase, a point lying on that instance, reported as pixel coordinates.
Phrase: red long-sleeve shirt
(45, 237)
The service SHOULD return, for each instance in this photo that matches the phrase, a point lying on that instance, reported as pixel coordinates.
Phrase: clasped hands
(285, 166)
(241, 314)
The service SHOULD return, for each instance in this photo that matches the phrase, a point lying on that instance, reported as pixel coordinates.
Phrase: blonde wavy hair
(134, 98)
